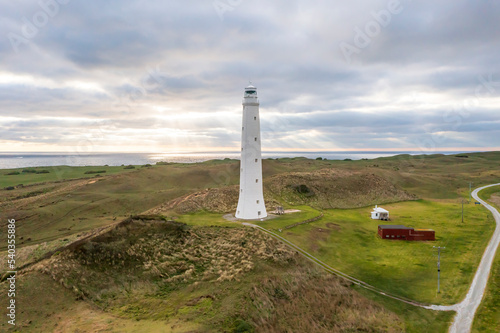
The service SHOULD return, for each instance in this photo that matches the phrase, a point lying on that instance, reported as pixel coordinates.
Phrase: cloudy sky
(168, 76)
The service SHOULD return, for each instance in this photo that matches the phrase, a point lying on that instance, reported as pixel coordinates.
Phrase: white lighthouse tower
(251, 204)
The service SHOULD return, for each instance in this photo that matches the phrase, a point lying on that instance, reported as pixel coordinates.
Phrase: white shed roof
(379, 210)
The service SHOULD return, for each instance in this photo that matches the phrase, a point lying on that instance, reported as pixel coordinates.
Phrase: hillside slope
(210, 279)
(324, 188)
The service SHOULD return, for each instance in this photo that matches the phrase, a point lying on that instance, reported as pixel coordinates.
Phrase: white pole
(439, 264)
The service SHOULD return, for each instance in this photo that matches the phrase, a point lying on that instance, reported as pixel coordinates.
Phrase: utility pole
(462, 210)
(439, 262)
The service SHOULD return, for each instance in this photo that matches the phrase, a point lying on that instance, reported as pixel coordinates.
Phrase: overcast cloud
(169, 75)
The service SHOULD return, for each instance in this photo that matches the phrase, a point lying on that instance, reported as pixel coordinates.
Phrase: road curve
(468, 307)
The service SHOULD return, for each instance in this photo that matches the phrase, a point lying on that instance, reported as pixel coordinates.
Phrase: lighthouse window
(243, 128)
(250, 91)
(259, 213)
(257, 201)
(241, 149)
(255, 139)
(256, 160)
(254, 118)
(257, 180)
(241, 190)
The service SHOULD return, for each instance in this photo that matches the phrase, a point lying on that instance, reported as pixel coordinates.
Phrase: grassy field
(487, 318)
(348, 241)
(55, 173)
(74, 206)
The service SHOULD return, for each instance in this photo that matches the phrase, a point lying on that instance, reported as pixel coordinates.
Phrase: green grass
(206, 219)
(487, 317)
(56, 173)
(347, 240)
(110, 199)
(488, 192)
(45, 306)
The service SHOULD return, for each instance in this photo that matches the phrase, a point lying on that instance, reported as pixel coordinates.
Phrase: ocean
(22, 160)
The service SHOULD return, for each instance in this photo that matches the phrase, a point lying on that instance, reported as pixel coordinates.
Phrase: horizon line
(285, 150)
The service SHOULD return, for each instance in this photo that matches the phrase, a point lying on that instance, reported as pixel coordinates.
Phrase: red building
(400, 232)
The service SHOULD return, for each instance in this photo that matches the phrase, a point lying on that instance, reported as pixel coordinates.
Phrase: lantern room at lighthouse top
(251, 91)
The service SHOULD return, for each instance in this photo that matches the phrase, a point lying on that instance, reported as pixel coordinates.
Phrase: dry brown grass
(159, 251)
(219, 200)
(306, 300)
(332, 188)
(327, 188)
(161, 270)
(495, 199)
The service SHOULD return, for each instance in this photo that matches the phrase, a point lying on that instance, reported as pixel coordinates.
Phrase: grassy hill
(54, 211)
(203, 279)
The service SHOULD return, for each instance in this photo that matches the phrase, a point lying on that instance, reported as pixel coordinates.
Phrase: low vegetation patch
(90, 172)
(332, 188)
(31, 194)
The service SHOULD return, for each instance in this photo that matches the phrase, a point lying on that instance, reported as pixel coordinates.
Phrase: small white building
(379, 213)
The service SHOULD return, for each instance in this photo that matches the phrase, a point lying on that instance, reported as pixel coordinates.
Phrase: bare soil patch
(495, 199)
(333, 226)
(317, 235)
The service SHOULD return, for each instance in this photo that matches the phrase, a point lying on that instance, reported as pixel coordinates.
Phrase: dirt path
(72, 185)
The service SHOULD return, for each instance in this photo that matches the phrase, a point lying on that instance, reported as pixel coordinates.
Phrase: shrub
(29, 171)
(347, 159)
(319, 158)
(303, 189)
(13, 173)
(10, 188)
(241, 326)
(146, 165)
(31, 194)
(129, 167)
(93, 171)
(43, 171)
